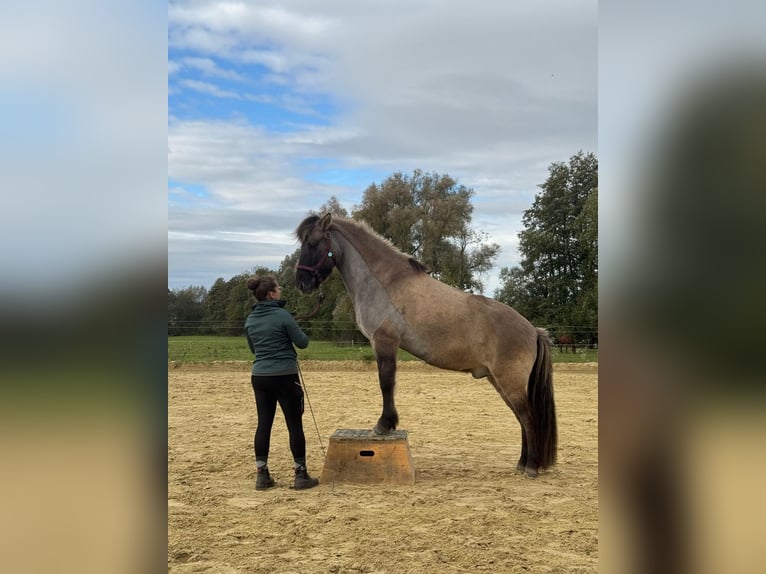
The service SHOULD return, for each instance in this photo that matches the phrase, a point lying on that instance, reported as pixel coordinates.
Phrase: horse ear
(325, 221)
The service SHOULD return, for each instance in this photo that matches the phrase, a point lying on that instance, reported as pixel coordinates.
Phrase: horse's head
(316, 259)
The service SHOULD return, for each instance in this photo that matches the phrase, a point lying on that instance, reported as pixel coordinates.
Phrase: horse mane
(418, 266)
(367, 239)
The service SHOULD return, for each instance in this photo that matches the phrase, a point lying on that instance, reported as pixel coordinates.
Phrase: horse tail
(540, 399)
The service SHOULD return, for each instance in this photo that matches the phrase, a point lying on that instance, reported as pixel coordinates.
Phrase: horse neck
(354, 269)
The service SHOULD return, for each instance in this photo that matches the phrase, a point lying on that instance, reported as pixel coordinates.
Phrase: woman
(271, 333)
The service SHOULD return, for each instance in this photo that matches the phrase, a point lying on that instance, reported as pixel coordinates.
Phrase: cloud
(208, 88)
(490, 95)
(208, 67)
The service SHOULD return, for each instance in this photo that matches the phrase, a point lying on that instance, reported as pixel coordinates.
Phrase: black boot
(263, 479)
(303, 480)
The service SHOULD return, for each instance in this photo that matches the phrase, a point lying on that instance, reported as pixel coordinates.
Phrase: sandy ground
(467, 512)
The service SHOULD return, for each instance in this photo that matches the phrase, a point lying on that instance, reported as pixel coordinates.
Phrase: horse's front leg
(385, 345)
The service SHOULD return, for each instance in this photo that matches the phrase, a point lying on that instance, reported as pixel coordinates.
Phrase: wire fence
(216, 348)
(340, 334)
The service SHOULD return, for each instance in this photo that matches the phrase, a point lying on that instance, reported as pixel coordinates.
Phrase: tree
(513, 290)
(215, 307)
(186, 309)
(239, 301)
(428, 216)
(557, 282)
(332, 206)
(472, 256)
(228, 303)
(586, 224)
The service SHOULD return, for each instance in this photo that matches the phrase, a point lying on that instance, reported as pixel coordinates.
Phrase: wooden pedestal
(363, 457)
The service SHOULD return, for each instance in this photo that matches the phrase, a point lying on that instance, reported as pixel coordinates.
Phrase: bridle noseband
(314, 270)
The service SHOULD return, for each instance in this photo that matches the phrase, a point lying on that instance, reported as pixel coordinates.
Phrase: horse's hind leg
(514, 394)
(529, 461)
(521, 465)
(385, 345)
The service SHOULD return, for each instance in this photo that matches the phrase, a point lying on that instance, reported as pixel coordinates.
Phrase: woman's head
(264, 287)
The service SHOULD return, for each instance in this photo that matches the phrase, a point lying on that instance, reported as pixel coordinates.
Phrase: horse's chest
(368, 323)
(371, 314)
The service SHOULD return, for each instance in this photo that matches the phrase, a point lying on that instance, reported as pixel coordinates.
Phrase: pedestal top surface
(367, 434)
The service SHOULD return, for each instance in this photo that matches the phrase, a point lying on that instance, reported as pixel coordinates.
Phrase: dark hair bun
(253, 283)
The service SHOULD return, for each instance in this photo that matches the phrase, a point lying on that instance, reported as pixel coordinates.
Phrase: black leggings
(287, 391)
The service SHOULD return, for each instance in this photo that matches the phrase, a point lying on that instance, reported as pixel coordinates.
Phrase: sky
(274, 107)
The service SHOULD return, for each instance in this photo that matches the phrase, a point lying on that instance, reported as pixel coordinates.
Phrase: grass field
(206, 349)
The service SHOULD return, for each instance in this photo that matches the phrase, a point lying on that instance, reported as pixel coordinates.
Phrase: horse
(566, 342)
(397, 304)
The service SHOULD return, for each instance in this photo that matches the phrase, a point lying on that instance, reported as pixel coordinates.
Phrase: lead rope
(311, 314)
(311, 410)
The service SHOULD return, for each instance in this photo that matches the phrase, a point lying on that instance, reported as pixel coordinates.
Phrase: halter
(314, 270)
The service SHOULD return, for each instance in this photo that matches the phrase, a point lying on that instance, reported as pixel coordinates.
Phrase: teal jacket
(271, 333)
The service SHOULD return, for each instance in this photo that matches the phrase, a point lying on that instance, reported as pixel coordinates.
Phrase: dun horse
(397, 304)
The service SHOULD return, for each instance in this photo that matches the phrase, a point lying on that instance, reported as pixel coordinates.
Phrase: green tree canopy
(228, 302)
(186, 309)
(428, 216)
(557, 282)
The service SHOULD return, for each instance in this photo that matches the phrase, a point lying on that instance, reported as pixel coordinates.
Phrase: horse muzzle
(307, 284)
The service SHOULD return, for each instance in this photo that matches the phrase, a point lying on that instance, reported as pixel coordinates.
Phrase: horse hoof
(520, 468)
(379, 430)
(531, 473)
